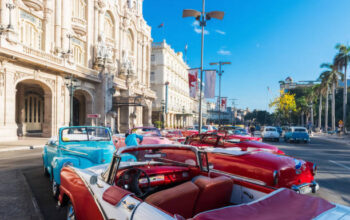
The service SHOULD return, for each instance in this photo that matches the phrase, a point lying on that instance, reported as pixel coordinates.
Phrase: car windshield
(270, 129)
(174, 155)
(300, 130)
(73, 134)
(147, 132)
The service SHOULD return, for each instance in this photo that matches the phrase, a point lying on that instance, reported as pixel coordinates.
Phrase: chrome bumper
(306, 188)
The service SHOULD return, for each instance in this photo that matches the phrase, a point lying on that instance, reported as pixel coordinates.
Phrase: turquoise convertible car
(78, 146)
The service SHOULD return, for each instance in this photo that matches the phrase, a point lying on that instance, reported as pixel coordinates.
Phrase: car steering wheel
(129, 180)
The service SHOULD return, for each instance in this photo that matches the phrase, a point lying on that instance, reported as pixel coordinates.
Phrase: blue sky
(266, 40)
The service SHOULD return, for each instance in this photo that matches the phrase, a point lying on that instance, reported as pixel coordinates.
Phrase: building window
(152, 76)
(78, 51)
(79, 7)
(153, 58)
(109, 26)
(30, 30)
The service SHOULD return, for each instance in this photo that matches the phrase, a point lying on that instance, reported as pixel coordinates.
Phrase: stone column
(58, 17)
(21, 111)
(4, 15)
(47, 25)
(66, 23)
(47, 125)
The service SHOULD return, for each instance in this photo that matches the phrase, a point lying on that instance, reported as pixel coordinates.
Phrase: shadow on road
(40, 186)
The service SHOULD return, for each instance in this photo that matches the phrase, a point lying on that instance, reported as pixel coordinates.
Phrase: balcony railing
(33, 52)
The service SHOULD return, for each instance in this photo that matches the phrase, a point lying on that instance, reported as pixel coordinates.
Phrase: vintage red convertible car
(151, 135)
(218, 140)
(175, 135)
(176, 182)
(232, 132)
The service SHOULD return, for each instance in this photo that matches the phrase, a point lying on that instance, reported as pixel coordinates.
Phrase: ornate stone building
(168, 67)
(104, 44)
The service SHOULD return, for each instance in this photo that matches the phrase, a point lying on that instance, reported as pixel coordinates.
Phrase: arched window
(130, 42)
(78, 51)
(79, 8)
(109, 26)
(30, 30)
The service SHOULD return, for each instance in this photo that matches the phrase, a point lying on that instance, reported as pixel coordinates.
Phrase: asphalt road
(333, 162)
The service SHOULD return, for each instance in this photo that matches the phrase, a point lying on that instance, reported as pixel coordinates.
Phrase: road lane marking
(339, 164)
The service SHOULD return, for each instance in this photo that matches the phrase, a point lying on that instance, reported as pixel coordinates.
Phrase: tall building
(105, 45)
(169, 79)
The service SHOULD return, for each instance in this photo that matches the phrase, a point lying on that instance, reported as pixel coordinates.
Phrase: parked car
(233, 132)
(79, 146)
(297, 134)
(284, 130)
(279, 130)
(151, 135)
(174, 182)
(229, 141)
(270, 133)
(175, 135)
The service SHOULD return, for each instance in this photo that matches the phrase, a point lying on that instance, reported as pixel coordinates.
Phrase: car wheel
(70, 211)
(55, 188)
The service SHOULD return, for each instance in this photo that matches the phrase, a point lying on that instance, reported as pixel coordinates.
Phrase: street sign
(94, 116)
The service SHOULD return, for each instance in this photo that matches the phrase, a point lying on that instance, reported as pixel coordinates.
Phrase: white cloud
(198, 29)
(224, 52)
(220, 32)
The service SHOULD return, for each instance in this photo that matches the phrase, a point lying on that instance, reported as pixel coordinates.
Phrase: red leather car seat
(214, 192)
(176, 200)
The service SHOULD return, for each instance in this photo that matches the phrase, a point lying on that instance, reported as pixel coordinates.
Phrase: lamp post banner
(193, 82)
(223, 104)
(210, 79)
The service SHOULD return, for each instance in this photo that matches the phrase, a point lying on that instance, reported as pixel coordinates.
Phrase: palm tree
(331, 76)
(320, 90)
(341, 60)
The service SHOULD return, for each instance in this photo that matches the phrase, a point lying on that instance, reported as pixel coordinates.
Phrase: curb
(21, 148)
(30, 192)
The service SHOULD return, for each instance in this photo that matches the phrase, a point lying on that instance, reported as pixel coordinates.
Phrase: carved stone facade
(105, 44)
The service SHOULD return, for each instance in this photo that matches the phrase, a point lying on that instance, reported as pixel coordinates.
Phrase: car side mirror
(93, 179)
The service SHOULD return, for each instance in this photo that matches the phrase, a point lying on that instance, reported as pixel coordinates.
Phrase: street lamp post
(183, 116)
(162, 103)
(220, 63)
(202, 17)
(166, 97)
(72, 85)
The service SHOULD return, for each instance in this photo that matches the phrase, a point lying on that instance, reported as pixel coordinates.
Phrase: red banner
(223, 104)
(193, 82)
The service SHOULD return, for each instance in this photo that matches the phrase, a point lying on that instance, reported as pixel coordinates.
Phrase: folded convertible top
(282, 204)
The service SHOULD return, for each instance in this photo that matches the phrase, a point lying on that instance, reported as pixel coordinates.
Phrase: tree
(284, 105)
(331, 76)
(341, 60)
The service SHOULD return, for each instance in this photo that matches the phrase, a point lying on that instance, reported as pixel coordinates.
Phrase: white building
(105, 44)
(167, 66)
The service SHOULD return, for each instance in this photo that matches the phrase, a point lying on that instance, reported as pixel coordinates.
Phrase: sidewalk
(339, 139)
(16, 199)
(24, 143)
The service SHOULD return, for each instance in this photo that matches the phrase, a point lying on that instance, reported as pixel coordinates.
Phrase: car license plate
(305, 190)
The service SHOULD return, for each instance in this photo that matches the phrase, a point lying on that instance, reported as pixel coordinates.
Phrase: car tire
(55, 187)
(70, 211)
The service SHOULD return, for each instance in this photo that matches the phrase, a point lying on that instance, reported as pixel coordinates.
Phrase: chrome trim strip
(76, 152)
(258, 182)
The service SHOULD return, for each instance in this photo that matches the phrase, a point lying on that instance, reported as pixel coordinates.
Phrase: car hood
(156, 140)
(96, 152)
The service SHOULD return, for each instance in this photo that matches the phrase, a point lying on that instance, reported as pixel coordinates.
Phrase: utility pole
(220, 63)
